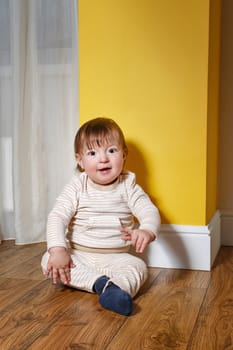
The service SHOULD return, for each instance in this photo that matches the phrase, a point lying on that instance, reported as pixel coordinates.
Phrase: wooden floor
(176, 309)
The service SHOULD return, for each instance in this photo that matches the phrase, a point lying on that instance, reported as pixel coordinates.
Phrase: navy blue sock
(113, 297)
(100, 284)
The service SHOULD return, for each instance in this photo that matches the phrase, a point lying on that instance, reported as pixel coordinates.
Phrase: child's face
(103, 164)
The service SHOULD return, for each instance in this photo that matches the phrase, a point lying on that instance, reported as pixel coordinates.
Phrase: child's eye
(112, 150)
(91, 153)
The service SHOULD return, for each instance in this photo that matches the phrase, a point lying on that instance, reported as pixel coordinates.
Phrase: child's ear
(125, 153)
(79, 160)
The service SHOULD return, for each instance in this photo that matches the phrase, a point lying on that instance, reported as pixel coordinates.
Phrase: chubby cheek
(119, 164)
(89, 166)
(121, 160)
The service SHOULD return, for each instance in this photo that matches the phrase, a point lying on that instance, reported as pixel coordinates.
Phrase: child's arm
(147, 215)
(59, 265)
(61, 214)
(140, 238)
(60, 262)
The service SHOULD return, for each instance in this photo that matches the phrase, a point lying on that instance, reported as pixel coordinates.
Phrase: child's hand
(59, 265)
(140, 238)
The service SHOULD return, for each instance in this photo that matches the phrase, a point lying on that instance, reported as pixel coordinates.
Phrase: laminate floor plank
(6, 244)
(89, 325)
(84, 325)
(17, 254)
(13, 289)
(214, 326)
(175, 309)
(168, 312)
(33, 313)
(28, 269)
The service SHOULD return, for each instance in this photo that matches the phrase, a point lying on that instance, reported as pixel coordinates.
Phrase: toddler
(92, 226)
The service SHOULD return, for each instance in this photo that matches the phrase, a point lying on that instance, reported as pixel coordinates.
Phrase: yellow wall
(145, 64)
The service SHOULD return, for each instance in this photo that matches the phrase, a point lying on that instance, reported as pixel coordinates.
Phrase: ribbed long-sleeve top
(92, 215)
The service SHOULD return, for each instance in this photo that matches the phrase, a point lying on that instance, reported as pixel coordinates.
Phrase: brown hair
(98, 131)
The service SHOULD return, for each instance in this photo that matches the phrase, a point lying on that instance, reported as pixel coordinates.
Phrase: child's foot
(100, 283)
(112, 297)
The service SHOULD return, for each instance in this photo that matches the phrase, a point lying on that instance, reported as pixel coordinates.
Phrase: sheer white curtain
(38, 111)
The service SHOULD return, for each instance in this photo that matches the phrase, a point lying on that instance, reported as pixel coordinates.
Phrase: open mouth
(104, 169)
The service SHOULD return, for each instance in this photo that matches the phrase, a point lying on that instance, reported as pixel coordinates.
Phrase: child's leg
(124, 270)
(124, 275)
(115, 277)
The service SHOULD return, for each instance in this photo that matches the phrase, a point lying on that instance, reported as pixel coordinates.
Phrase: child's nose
(103, 157)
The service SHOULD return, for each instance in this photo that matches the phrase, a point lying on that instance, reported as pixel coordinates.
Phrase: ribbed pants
(125, 270)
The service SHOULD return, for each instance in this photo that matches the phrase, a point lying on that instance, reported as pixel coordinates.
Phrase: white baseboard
(186, 247)
(227, 227)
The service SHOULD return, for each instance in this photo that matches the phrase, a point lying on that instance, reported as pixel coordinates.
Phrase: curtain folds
(38, 111)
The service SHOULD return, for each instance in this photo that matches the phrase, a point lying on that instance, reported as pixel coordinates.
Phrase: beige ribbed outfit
(87, 219)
